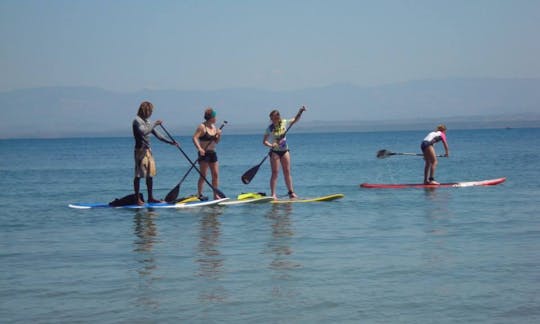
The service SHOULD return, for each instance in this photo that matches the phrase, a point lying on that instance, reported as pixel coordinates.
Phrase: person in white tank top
(429, 152)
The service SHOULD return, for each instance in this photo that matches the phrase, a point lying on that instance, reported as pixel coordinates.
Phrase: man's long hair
(145, 110)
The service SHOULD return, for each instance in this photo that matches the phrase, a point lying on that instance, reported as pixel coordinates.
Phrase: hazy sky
(274, 45)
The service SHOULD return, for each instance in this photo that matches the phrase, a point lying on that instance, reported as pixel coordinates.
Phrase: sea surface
(449, 255)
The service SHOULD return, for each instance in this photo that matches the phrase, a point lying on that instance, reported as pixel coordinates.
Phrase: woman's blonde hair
(145, 110)
(441, 128)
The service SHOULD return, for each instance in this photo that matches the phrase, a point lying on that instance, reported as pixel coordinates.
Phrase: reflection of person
(206, 136)
(146, 232)
(274, 137)
(209, 257)
(280, 245)
(146, 235)
(429, 153)
(145, 166)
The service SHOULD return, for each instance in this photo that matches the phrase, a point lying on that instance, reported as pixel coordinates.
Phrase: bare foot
(139, 202)
(153, 200)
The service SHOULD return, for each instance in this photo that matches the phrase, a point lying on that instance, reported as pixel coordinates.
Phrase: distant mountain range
(460, 103)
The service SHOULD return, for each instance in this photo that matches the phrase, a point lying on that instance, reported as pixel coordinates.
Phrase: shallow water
(410, 255)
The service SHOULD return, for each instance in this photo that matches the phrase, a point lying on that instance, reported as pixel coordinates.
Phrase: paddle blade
(220, 193)
(173, 194)
(381, 154)
(250, 174)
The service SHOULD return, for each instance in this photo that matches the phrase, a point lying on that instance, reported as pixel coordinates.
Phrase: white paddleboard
(190, 204)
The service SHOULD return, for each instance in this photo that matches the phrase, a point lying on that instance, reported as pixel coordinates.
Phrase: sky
(274, 45)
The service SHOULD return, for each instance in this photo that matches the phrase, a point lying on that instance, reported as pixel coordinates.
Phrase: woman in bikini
(429, 153)
(206, 136)
(274, 137)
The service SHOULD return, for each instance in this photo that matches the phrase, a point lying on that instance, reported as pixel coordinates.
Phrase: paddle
(216, 190)
(250, 174)
(381, 154)
(173, 194)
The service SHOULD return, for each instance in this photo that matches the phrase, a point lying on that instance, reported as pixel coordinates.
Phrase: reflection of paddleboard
(490, 182)
(308, 200)
(247, 198)
(188, 204)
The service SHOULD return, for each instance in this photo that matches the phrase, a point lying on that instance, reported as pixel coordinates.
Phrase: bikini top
(207, 137)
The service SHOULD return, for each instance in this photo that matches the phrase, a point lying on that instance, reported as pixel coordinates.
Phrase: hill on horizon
(90, 111)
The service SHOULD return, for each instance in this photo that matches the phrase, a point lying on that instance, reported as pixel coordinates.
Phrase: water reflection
(146, 234)
(209, 257)
(437, 203)
(436, 254)
(279, 246)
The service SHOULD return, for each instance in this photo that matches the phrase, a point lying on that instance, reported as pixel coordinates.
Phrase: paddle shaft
(270, 152)
(381, 154)
(411, 154)
(219, 192)
(193, 165)
(191, 168)
(250, 174)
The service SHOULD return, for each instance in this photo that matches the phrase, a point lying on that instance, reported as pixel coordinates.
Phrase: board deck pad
(309, 200)
(234, 202)
(490, 182)
(189, 204)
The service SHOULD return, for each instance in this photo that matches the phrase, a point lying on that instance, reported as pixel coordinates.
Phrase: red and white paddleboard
(490, 182)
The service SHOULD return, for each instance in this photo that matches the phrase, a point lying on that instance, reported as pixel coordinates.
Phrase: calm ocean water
(468, 255)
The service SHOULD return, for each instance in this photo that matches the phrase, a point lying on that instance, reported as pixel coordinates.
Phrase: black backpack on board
(126, 200)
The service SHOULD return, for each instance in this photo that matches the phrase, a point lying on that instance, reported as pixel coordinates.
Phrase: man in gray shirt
(145, 166)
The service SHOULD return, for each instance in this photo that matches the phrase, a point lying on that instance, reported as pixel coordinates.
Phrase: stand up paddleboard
(309, 200)
(247, 198)
(188, 204)
(491, 182)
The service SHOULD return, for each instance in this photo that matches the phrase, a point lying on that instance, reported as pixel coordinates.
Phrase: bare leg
(274, 164)
(200, 184)
(214, 170)
(432, 173)
(150, 188)
(286, 165)
(427, 168)
(430, 165)
(137, 188)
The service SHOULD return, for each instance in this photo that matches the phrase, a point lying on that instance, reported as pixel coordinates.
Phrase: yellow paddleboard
(308, 200)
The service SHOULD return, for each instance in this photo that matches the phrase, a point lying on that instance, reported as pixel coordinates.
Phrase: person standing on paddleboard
(274, 137)
(145, 166)
(206, 136)
(430, 157)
